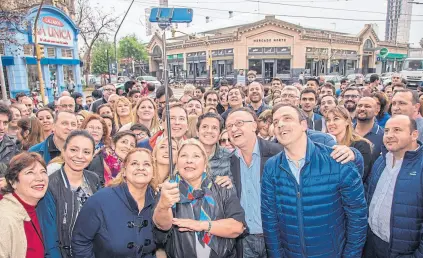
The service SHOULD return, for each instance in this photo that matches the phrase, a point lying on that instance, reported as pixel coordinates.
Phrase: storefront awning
(7, 60)
(52, 61)
(395, 56)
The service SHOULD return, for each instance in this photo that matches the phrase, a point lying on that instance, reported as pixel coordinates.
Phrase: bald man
(65, 93)
(394, 194)
(66, 103)
(367, 126)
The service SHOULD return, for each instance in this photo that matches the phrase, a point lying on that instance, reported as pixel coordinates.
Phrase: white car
(150, 79)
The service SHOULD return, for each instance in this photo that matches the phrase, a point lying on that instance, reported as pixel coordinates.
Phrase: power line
(283, 15)
(326, 8)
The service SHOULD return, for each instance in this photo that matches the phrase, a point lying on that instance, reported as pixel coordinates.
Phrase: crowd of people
(256, 170)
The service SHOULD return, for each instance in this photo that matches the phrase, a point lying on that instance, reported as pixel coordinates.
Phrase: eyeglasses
(108, 89)
(238, 124)
(351, 96)
(290, 96)
(224, 141)
(396, 77)
(141, 135)
(71, 106)
(95, 128)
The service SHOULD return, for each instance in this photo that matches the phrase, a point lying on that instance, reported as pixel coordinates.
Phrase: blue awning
(52, 61)
(7, 60)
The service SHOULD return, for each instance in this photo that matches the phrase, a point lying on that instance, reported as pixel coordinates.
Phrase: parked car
(152, 79)
(386, 76)
(353, 76)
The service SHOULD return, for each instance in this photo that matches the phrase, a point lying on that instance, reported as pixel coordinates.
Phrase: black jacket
(97, 166)
(66, 205)
(183, 245)
(96, 104)
(366, 150)
(267, 150)
(8, 149)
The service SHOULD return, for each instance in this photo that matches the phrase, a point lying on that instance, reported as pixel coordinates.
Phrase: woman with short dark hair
(20, 230)
(72, 184)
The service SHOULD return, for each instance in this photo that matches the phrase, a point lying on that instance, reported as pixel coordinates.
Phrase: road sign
(384, 52)
(171, 15)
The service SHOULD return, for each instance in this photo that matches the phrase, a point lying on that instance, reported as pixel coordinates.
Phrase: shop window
(67, 53)
(255, 64)
(283, 66)
(202, 68)
(191, 69)
(51, 52)
(2, 49)
(28, 50)
(229, 67)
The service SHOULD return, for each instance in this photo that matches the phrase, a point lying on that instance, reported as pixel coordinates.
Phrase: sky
(247, 11)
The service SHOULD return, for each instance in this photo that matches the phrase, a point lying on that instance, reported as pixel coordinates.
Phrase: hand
(342, 154)
(190, 225)
(224, 181)
(169, 195)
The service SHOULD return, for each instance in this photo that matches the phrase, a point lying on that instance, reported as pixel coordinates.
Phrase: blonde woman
(192, 127)
(145, 113)
(339, 124)
(128, 200)
(161, 161)
(122, 112)
(197, 217)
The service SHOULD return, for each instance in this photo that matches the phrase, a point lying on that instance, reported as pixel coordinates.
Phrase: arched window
(157, 51)
(368, 44)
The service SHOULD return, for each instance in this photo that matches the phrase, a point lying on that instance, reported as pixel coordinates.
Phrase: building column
(47, 82)
(60, 80)
(77, 78)
(17, 77)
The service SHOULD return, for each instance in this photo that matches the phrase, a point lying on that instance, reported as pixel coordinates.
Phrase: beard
(350, 108)
(364, 119)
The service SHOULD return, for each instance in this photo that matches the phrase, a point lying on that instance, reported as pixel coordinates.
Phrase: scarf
(99, 146)
(203, 205)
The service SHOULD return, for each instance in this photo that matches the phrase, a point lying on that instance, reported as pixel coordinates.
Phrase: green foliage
(99, 56)
(131, 47)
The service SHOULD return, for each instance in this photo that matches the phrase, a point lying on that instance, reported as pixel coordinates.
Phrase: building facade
(398, 21)
(273, 48)
(58, 35)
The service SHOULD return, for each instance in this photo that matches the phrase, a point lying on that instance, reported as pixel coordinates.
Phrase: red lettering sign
(53, 21)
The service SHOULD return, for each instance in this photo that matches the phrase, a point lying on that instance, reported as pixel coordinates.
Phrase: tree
(421, 42)
(99, 56)
(94, 24)
(131, 47)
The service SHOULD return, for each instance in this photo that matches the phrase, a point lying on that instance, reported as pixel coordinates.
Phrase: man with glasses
(140, 131)
(66, 103)
(108, 90)
(247, 165)
(351, 96)
(161, 98)
(290, 95)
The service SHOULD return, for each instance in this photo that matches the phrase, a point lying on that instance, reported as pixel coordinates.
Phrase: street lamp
(108, 66)
(209, 52)
(38, 54)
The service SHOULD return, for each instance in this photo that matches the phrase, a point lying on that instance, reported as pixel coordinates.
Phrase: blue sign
(171, 15)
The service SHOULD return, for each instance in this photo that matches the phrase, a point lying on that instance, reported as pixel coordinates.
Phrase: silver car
(152, 79)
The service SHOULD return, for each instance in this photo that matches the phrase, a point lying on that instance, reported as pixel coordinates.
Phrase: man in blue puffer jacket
(311, 205)
(395, 194)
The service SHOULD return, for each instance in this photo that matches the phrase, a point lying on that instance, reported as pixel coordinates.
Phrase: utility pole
(38, 55)
(108, 66)
(115, 42)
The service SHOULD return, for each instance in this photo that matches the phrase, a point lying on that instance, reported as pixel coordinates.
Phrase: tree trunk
(88, 67)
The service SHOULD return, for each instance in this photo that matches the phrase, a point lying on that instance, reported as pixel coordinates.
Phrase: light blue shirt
(294, 169)
(251, 190)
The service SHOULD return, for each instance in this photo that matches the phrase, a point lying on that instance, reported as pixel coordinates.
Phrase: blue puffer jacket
(42, 149)
(323, 216)
(407, 204)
